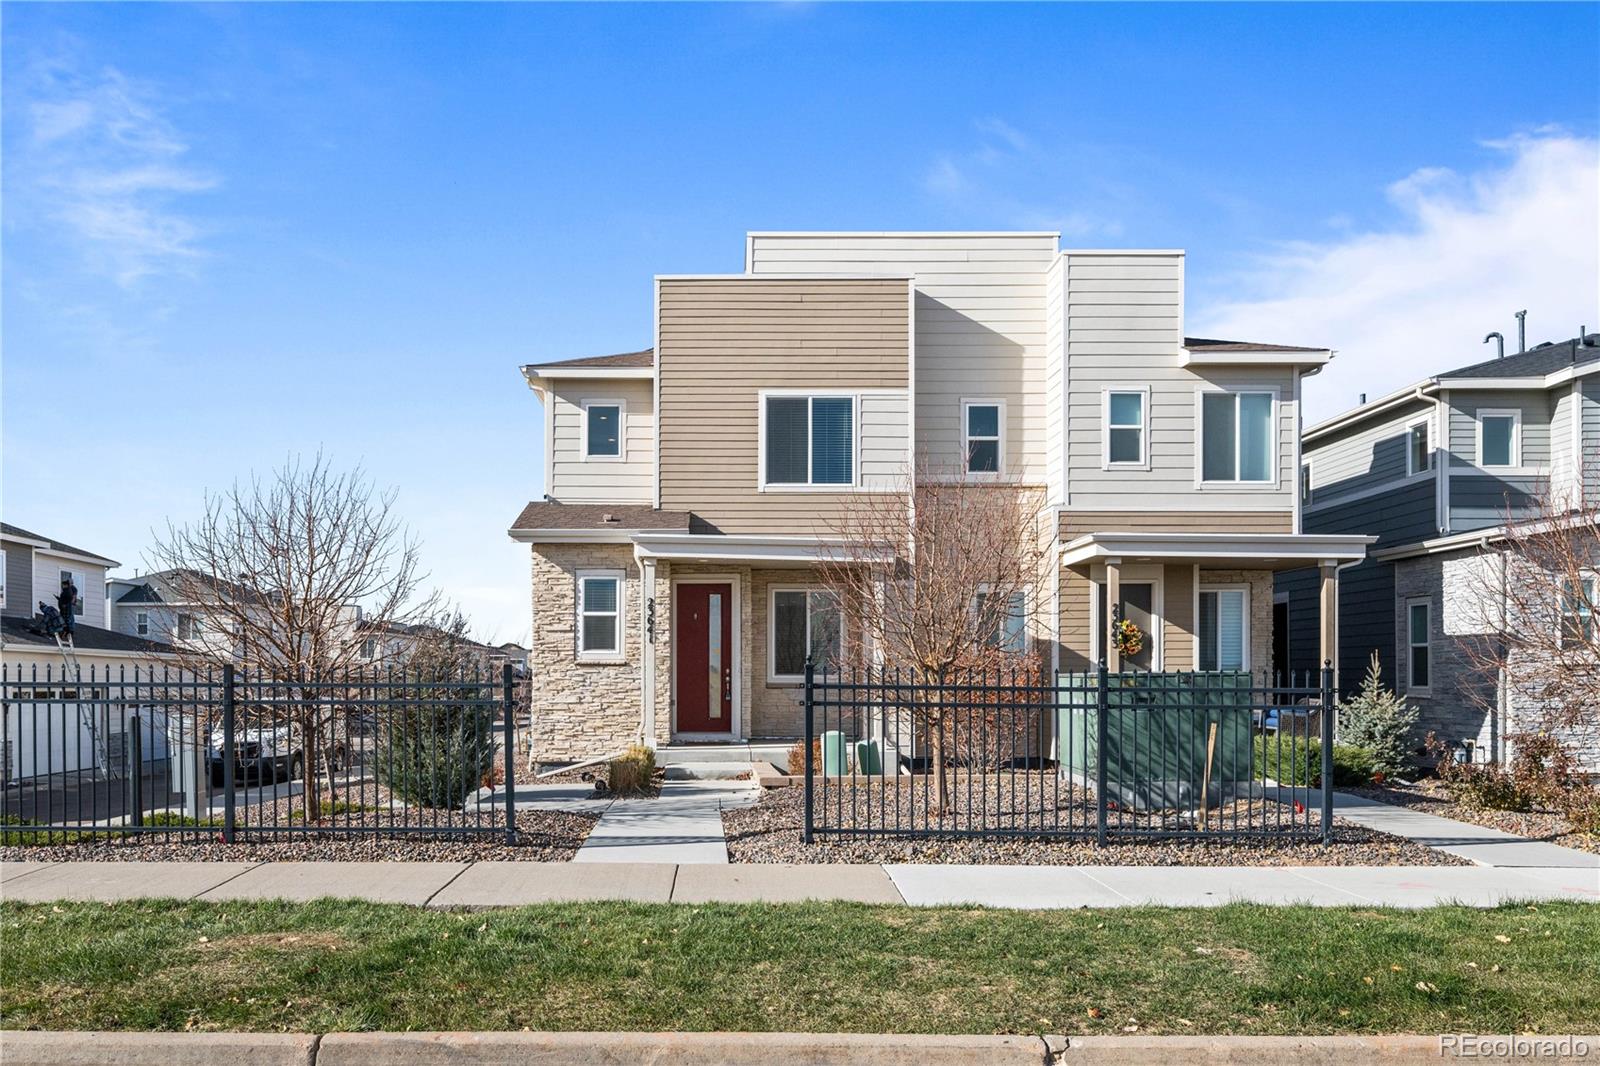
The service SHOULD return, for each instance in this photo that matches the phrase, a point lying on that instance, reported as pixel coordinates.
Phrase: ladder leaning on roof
(88, 718)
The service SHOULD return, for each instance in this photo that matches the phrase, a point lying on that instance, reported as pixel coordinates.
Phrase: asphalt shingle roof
(548, 515)
(1535, 362)
(30, 631)
(647, 357)
(7, 529)
(1207, 344)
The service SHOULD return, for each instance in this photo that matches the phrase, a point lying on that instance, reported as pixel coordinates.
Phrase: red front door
(703, 629)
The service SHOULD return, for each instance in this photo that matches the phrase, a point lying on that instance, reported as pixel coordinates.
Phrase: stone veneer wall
(582, 709)
(777, 709)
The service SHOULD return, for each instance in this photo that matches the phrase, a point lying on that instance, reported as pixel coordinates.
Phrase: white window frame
(600, 655)
(1426, 604)
(1143, 392)
(141, 623)
(1027, 614)
(2, 577)
(1274, 417)
(1000, 440)
(195, 630)
(1513, 413)
(773, 677)
(1244, 653)
(763, 395)
(1427, 427)
(622, 430)
(1304, 488)
(369, 648)
(78, 603)
(1587, 576)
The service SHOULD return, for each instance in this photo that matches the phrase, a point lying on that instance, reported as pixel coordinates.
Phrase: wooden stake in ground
(1205, 781)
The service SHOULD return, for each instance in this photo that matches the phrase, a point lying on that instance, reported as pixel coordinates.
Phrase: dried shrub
(797, 757)
(1480, 786)
(633, 772)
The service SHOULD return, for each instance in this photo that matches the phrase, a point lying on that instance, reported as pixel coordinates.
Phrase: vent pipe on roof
(1522, 331)
(1362, 401)
(1498, 339)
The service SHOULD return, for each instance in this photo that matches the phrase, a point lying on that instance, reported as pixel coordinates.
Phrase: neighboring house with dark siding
(1433, 471)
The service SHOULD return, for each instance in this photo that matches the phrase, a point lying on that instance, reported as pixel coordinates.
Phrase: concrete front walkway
(1487, 847)
(494, 884)
(682, 825)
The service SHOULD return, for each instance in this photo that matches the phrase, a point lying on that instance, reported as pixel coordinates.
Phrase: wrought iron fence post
(229, 811)
(1327, 752)
(506, 703)
(810, 732)
(1101, 716)
(135, 772)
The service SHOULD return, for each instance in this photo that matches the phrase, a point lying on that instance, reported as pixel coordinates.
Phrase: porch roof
(1253, 551)
(767, 549)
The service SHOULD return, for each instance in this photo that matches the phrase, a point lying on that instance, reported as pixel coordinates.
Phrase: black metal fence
(233, 756)
(1102, 756)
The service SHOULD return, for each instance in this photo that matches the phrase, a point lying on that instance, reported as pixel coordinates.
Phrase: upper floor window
(1125, 427)
(1305, 483)
(1499, 438)
(809, 440)
(602, 429)
(804, 622)
(141, 623)
(1419, 644)
(67, 576)
(188, 627)
(369, 648)
(1236, 436)
(2, 577)
(1224, 629)
(600, 614)
(1419, 448)
(981, 435)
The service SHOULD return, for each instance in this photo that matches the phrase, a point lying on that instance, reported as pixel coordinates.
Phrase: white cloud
(1415, 299)
(101, 161)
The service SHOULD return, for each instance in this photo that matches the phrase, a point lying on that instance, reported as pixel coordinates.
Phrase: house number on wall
(650, 619)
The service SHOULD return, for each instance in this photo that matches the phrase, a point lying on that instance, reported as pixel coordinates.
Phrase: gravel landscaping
(769, 832)
(1432, 797)
(542, 836)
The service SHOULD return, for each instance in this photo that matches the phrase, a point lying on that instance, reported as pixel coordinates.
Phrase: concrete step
(705, 771)
(735, 752)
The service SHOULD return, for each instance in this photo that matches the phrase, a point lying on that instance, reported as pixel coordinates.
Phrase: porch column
(1113, 601)
(647, 651)
(1330, 617)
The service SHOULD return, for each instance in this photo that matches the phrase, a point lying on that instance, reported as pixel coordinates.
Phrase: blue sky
(234, 233)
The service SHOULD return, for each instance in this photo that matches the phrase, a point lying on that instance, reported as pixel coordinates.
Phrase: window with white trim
(1236, 437)
(808, 440)
(1223, 630)
(1305, 483)
(189, 627)
(1419, 645)
(801, 622)
(1578, 599)
(599, 614)
(2, 577)
(141, 623)
(1124, 416)
(981, 427)
(77, 603)
(1011, 636)
(602, 429)
(1419, 447)
(1499, 438)
(369, 648)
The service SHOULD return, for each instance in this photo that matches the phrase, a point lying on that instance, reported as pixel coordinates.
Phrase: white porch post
(1108, 642)
(647, 650)
(1330, 617)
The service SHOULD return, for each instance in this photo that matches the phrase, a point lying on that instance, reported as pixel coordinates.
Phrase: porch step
(739, 752)
(706, 771)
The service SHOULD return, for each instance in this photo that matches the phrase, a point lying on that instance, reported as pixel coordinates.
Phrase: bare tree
(281, 569)
(938, 580)
(1535, 596)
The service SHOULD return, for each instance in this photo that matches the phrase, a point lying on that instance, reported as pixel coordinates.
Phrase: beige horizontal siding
(1077, 523)
(720, 342)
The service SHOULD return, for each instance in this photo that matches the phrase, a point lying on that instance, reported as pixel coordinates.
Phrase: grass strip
(1242, 968)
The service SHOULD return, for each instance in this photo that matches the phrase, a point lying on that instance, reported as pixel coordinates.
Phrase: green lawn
(820, 967)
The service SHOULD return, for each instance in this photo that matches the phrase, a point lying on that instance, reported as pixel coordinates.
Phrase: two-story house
(693, 487)
(1434, 471)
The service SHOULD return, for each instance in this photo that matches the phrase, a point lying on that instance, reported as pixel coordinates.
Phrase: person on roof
(66, 603)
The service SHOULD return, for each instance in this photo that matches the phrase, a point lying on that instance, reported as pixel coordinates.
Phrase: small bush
(1377, 720)
(633, 772)
(1300, 763)
(797, 757)
(436, 754)
(1480, 786)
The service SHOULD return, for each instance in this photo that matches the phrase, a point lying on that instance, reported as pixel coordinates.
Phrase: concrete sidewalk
(681, 825)
(1476, 843)
(496, 884)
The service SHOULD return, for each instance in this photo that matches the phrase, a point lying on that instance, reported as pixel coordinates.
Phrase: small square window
(600, 614)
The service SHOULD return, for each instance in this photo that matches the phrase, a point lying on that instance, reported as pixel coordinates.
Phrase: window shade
(832, 441)
(788, 633)
(788, 439)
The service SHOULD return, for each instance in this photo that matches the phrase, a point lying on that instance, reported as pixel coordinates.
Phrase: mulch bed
(769, 832)
(542, 836)
(1432, 797)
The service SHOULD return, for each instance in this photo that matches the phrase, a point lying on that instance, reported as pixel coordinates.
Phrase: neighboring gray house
(1433, 470)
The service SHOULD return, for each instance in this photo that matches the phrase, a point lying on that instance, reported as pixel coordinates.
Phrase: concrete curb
(763, 1049)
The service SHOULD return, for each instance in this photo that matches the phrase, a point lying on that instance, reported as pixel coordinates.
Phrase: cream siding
(90, 579)
(980, 326)
(721, 341)
(575, 479)
(1055, 377)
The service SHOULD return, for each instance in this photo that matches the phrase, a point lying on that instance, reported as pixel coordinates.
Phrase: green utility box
(835, 761)
(1158, 727)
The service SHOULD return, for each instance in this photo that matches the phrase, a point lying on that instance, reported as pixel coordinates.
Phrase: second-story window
(188, 627)
(602, 429)
(980, 435)
(809, 440)
(1499, 438)
(1419, 448)
(1236, 437)
(141, 624)
(1125, 427)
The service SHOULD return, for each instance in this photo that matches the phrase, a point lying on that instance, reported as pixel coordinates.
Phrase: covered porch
(1200, 601)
